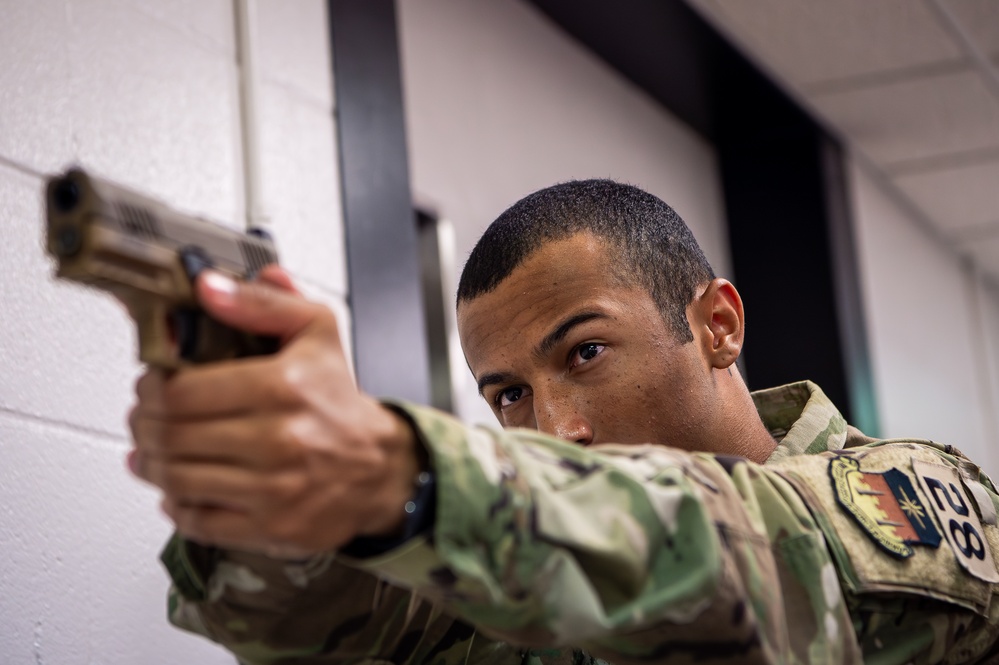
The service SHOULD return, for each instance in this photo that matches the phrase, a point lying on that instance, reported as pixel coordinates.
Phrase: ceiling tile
(956, 198)
(810, 42)
(916, 119)
(980, 18)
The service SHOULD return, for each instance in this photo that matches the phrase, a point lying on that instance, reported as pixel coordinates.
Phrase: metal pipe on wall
(246, 38)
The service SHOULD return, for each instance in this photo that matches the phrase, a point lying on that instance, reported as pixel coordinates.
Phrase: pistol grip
(171, 336)
(201, 339)
(157, 338)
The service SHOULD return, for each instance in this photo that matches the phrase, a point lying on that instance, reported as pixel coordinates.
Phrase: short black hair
(655, 248)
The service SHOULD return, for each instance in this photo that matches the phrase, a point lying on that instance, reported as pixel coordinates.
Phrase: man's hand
(277, 454)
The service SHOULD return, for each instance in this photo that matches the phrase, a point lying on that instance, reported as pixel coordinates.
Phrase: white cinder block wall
(500, 103)
(144, 93)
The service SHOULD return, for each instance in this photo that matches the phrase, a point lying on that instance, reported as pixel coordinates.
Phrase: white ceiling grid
(911, 84)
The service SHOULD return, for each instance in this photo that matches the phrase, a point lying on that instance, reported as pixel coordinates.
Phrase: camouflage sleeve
(267, 611)
(633, 553)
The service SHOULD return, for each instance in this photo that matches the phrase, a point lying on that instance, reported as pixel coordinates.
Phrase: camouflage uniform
(546, 552)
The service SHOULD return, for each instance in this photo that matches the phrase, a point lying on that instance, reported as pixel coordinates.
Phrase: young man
(659, 512)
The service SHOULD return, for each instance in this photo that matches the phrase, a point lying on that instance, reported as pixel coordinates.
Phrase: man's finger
(215, 484)
(216, 390)
(258, 307)
(275, 275)
(235, 530)
(211, 525)
(257, 441)
(149, 386)
(241, 530)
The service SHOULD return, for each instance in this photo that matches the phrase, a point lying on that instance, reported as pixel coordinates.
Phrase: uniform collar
(801, 419)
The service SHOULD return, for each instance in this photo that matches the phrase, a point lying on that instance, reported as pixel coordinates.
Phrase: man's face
(563, 347)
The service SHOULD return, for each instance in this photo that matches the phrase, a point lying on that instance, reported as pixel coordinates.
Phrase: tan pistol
(148, 255)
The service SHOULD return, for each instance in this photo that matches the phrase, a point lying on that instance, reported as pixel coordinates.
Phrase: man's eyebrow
(562, 329)
(493, 378)
(544, 348)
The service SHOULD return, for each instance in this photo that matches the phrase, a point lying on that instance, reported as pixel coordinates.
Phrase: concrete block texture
(81, 583)
(294, 48)
(68, 352)
(133, 97)
(36, 117)
(154, 110)
(145, 94)
(300, 182)
(211, 22)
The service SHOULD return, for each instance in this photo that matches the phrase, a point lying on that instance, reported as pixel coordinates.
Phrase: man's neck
(741, 429)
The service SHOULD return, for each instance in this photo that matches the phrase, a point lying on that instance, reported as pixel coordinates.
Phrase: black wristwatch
(420, 513)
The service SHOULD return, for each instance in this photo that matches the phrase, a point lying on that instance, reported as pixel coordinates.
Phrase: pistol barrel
(139, 249)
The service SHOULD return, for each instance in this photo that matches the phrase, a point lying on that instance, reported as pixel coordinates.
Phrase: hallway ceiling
(911, 86)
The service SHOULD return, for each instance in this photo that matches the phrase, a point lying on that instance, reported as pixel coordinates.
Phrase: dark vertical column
(795, 264)
(791, 240)
(780, 252)
(390, 345)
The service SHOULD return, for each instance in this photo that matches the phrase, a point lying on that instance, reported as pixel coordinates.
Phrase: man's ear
(721, 322)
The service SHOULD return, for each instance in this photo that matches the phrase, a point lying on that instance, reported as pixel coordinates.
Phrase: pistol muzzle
(65, 195)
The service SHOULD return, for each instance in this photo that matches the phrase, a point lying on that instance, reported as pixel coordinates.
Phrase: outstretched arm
(634, 552)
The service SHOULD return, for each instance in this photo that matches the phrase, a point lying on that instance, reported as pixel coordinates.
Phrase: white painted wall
(500, 103)
(988, 298)
(925, 334)
(144, 93)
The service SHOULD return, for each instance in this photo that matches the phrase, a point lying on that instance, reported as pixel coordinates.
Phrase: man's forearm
(630, 552)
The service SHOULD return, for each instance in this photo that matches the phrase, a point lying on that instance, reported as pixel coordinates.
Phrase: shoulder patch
(867, 568)
(960, 522)
(886, 506)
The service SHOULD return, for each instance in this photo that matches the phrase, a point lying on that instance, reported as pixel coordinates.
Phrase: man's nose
(561, 418)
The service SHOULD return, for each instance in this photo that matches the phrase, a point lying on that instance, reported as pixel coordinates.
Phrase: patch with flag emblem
(886, 506)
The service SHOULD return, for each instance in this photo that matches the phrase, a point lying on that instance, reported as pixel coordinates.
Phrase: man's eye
(584, 353)
(510, 395)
